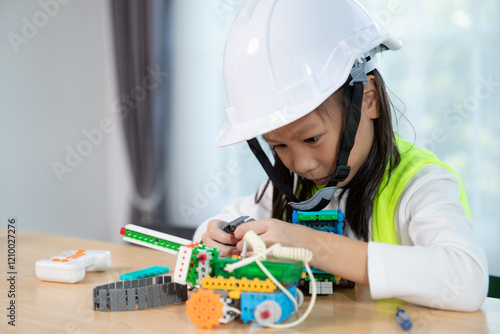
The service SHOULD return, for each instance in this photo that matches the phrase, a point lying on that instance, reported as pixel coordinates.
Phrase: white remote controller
(70, 265)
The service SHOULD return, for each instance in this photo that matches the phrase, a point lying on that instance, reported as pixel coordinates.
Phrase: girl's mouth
(322, 181)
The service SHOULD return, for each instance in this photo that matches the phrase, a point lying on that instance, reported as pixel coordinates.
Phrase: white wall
(56, 82)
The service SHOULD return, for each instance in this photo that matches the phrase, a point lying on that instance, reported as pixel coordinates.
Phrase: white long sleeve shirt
(439, 264)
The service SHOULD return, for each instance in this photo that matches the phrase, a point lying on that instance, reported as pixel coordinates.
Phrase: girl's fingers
(259, 227)
(223, 237)
(216, 233)
(225, 250)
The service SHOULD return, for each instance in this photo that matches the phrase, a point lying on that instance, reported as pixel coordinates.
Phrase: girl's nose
(304, 163)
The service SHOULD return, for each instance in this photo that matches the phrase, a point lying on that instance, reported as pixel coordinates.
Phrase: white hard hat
(283, 58)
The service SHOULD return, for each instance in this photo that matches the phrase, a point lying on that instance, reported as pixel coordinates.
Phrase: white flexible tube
(293, 253)
(309, 307)
(257, 244)
(278, 284)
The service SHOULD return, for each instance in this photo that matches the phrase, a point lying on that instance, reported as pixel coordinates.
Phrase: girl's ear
(370, 106)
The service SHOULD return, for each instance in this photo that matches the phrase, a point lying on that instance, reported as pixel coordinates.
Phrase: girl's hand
(273, 231)
(215, 237)
(351, 256)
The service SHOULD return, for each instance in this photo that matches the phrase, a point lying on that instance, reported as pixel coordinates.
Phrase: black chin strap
(269, 168)
(342, 169)
(348, 136)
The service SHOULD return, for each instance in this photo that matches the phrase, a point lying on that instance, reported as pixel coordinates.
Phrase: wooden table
(45, 307)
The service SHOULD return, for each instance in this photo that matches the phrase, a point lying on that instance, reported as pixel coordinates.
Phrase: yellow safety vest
(413, 159)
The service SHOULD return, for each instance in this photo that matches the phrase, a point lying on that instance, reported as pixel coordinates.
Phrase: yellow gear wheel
(204, 308)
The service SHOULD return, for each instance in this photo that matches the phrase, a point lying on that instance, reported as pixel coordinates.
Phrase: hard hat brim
(230, 134)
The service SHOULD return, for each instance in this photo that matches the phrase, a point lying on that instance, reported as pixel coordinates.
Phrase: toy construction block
(153, 239)
(138, 294)
(143, 273)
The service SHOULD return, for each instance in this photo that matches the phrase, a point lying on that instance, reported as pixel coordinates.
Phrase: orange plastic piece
(78, 253)
(204, 308)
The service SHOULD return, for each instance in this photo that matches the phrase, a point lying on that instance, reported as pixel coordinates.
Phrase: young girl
(303, 75)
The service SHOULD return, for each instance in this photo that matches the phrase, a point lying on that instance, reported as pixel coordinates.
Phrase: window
(446, 78)
(204, 178)
(450, 87)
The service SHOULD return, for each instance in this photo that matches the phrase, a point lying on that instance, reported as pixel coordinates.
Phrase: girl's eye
(311, 140)
(278, 147)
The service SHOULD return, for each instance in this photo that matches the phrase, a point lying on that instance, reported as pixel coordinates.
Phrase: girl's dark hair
(365, 184)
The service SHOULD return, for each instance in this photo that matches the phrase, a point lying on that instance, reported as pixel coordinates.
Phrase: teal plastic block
(147, 272)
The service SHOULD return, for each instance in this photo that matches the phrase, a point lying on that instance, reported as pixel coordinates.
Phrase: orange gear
(204, 308)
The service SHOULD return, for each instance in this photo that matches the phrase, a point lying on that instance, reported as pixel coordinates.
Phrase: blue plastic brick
(250, 300)
(330, 221)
